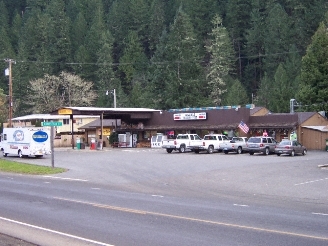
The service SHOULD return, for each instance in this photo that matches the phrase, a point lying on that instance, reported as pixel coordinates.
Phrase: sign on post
(52, 123)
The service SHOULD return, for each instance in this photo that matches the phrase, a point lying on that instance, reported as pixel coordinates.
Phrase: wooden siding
(313, 139)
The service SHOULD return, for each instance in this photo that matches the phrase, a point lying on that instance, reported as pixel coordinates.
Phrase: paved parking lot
(157, 172)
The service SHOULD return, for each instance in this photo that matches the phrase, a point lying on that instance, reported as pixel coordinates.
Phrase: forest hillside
(164, 54)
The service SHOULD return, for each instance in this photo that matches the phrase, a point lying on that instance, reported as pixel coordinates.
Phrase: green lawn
(17, 167)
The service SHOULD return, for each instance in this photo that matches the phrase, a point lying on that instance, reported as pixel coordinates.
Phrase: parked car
(265, 145)
(289, 147)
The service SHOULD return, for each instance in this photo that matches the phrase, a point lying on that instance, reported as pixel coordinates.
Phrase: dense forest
(164, 54)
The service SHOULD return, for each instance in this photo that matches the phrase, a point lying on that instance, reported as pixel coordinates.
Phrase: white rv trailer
(24, 142)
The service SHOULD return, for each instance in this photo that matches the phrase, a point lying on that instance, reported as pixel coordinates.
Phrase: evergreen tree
(106, 81)
(278, 39)
(59, 38)
(236, 94)
(157, 24)
(254, 70)
(221, 60)
(157, 74)
(185, 83)
(237, 23)
(313, 94)
(133, 63)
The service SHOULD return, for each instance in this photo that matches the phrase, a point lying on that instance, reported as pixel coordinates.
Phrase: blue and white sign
(40, 136)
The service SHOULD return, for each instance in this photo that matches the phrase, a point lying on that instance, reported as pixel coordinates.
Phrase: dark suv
(265, 145)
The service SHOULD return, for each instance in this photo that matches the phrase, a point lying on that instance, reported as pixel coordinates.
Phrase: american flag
(243, 127)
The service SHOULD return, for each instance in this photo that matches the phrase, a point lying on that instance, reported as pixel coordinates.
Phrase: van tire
(169, 150)
(4, 154)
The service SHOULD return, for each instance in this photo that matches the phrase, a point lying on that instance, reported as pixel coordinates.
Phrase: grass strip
(23, 168)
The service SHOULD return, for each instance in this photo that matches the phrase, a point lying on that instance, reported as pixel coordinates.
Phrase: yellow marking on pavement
(194, 219)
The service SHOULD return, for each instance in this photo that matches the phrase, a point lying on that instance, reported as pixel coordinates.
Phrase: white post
(114, 92)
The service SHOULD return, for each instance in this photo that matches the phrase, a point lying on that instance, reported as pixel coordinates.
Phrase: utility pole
(10, 62)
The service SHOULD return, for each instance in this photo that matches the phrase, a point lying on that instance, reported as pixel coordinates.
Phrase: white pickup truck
(209, 143)
(181, 143)
(236, 144)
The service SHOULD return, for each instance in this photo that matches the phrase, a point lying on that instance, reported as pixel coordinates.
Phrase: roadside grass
(22, 168)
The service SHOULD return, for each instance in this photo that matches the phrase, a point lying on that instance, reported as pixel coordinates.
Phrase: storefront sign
(190, 116)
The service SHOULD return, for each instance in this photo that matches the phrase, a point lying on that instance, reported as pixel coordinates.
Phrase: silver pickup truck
(236, 144)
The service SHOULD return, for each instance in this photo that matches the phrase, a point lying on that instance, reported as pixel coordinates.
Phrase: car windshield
(284, 142)
(254, 140)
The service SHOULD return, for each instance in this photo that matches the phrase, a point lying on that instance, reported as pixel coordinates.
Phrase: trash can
(93, 143)
(82, 145)
(78, 143)
(326, 144)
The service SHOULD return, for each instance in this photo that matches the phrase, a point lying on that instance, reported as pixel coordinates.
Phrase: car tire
(182, 149)
(169, 150)
(304, 152)
(293, 153)
(278, 154)
(251, 153)
(266, 151)
(210, 149)
(196, 151)
(239, 150)
(226, 152)
(4, 154)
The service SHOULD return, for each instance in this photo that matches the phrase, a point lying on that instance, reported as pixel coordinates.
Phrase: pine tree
(221, 60)
(59, 38)
(278, 39)
(185, 85)
(133, 63)
(313, 94)
(236, 94)
(157, 24)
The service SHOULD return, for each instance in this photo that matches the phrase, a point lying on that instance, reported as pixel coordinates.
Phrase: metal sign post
(52, 124)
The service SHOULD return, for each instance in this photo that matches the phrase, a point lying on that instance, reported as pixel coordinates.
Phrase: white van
(24, 142)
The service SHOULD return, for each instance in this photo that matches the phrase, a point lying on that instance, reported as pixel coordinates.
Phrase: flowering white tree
(51, 92)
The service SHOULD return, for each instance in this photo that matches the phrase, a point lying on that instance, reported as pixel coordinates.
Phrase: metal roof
(51, 117)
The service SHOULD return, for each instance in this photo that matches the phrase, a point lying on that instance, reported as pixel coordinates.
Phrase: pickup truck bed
(181, 143)
(236, 144)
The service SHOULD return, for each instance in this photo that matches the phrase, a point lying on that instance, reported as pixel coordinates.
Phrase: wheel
(4, 154)
(196, 151)
(293, 153)
(226, 152)
(169, 150)
(20, 154)
(266, 151)
(239, 150)
(304, 152)
(278, 154)
(251, 153)
(182, 149)
(210, 149)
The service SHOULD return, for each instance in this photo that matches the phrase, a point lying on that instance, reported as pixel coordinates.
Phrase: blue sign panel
(40, 136)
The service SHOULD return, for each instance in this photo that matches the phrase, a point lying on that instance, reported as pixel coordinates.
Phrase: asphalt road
(149, 197)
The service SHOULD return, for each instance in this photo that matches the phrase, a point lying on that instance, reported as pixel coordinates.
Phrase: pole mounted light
(8, 72)
(113, 91)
